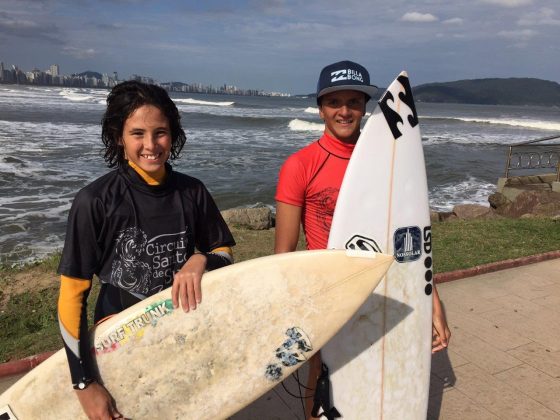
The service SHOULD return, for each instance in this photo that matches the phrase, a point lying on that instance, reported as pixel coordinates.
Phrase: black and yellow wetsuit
(133, 232)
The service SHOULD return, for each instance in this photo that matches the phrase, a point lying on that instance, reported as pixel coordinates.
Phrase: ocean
(51, 147)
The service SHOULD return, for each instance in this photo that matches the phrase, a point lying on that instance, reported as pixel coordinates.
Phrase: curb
(24, 365)
(496, 266)
(17, 367)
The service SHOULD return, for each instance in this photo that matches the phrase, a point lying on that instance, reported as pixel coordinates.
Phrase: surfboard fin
(322, 397)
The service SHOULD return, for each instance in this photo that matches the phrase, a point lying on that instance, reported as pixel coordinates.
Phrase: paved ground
(504, 360)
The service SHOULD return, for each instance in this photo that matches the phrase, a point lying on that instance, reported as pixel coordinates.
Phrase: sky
(282, 45)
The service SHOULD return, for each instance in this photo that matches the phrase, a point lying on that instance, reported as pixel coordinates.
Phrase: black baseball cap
(344, 75)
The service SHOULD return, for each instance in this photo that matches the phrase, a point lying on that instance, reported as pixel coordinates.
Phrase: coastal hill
(512, 91)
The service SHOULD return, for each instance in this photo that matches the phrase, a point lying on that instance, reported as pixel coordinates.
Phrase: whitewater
(51, 148)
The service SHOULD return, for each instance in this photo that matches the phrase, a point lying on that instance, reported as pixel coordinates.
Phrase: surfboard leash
(300, 397)
(322, 397)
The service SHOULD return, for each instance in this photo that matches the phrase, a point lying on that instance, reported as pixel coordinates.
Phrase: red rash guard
(311, 179)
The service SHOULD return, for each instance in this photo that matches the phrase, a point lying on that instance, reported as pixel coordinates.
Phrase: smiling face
(342, 112)
(146, 138)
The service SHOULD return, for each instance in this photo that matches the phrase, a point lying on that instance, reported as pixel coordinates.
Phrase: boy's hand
(186, 287)
(97, 403)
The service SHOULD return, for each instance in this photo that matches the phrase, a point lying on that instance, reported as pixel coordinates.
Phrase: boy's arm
(288, 221)
(72, 315)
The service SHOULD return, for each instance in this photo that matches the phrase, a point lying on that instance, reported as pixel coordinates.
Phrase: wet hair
(122, 101)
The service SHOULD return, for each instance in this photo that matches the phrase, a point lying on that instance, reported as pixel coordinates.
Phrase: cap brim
(369, 90)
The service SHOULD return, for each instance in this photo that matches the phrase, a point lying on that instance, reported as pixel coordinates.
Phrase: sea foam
(301, 125)
(472, 190)
(197, 102)
(526, 123)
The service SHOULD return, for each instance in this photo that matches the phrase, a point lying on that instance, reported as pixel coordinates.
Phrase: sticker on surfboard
(407, 243)
(6, 413)
(132, 328)
(290, 353)
(392, 116)
(362, 243)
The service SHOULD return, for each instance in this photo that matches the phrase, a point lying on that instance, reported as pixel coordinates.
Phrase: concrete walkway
(504, 356)
(504, 359)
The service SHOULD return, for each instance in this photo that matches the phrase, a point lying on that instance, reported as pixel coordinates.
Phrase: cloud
(79, 53)
(453, 21)
(544, 16)
(418, 17)
(26, 28)
(522, 35)
(272, 7)
(109, 26)
(174, 47)
(508, 3)
(520, 38)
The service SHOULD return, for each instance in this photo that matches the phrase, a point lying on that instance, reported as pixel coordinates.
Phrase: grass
(28, 322)
(29, 325)
(465, 244)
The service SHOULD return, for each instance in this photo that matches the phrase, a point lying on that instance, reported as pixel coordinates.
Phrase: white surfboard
(380, 361)
(259, 321)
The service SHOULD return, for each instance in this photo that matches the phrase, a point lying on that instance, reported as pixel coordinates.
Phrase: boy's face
(147, 138)
(342, 112)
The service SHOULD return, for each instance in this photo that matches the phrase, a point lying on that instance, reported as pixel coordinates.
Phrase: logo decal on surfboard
(407, 244)
(428, 260)
(362, 243)
(392, 116)
(290, 353)
(6, 413)
(133, 328)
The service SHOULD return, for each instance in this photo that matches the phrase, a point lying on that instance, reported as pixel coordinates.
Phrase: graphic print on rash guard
(131, 273)
(128, 271)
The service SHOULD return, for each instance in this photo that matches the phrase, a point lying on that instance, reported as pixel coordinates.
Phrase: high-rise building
(55, 70)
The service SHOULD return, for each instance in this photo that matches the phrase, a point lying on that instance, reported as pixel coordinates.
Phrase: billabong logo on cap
(346, 74)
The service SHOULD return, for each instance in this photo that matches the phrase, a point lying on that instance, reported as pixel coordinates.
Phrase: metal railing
(530, 155)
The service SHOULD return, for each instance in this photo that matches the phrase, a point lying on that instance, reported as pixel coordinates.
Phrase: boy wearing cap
(310, 179)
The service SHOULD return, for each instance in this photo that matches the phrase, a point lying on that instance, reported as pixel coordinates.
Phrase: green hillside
(512, 91)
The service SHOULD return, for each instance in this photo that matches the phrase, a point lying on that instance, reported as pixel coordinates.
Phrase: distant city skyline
(281, 45)
(13, 74)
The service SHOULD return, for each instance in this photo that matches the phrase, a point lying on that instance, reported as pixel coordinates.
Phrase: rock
(258, 218)
(445, 216)
(492, 215)
(539, 203)
(548, 209)
(497, 200)
(434, 216)
(470, 211)
(524, 203)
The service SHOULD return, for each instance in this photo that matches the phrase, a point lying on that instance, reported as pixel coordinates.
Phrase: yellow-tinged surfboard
(259, 320)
